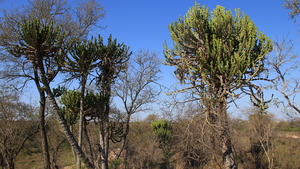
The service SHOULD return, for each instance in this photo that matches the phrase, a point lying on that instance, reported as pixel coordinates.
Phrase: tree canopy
(216, 54)
(216, 49)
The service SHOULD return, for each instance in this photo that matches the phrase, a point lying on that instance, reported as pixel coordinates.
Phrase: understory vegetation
(188, 149)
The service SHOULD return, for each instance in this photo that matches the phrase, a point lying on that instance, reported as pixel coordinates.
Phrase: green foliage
(41, 44)
(113, 59)
(37, 35)
(71, 105)
(91, 101)
(291, 128)
(115, 163)
(164, 133)
(33, 35)
(216, 50)
(83, 56)
(217, 55)
(162, 130)
(57, 92)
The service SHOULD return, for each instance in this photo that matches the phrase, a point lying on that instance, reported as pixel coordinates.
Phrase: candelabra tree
(41, 46)
(216, 54)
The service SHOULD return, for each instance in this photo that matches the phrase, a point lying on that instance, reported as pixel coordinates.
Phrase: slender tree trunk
(105, 86)
(125, 133)
(88, 142)
(10, 163)
(79, 139)
(67, 132)
(104, 141)
(81, 116)
(45, 145)
(73, 151)
(125, 154)
(69, 135)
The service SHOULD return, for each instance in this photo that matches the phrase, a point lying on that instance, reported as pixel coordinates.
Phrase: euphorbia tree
(72, 106)
(80, 64)
(215, 55)
(164, 134)
(41, 45)
(112, 60)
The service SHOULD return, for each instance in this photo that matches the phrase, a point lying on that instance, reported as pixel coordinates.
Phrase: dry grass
(144, 153)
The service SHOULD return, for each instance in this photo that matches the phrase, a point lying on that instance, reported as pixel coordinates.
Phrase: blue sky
(143, 24)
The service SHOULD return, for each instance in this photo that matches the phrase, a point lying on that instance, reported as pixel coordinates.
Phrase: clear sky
(143, 24)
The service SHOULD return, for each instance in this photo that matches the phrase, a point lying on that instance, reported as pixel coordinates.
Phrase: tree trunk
(81, 116)
(45, 146)
(73, 151)
(104, 141)
(67, 132)
(125, 155)
(105, 86)
(227, 152)
(220, 134)
(124, 144)
(228, 157)
(88, 142)
(10, 163)
(79, 137)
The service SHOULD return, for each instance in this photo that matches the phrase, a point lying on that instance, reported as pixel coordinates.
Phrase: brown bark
(104, 142)
(227, 152)
(67, 132)
(81, 116)
(45, 145)
(88, 142)
(228, 156)
(220, 133)
(105, 85)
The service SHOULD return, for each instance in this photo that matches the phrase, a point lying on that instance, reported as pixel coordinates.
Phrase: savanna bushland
(219, 56)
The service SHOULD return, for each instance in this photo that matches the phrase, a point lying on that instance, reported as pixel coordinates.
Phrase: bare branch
(283, 63)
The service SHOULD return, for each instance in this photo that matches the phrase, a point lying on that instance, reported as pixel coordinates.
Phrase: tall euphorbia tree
(112, 60)
(216, 54)
(71, 109)
(80, 63)
(41, 44)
